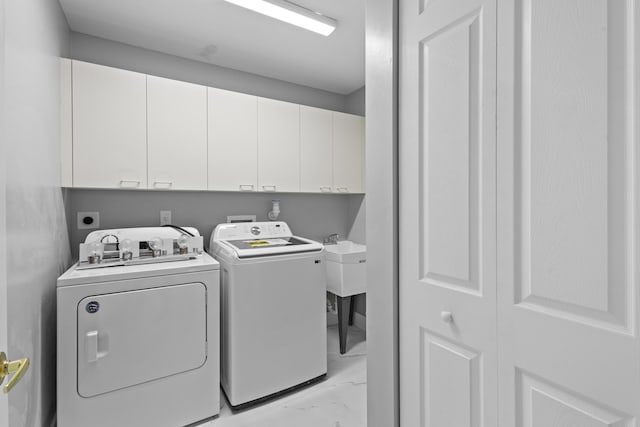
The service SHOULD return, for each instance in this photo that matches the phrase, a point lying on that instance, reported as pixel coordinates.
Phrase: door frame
(4, 401)
(381, 97)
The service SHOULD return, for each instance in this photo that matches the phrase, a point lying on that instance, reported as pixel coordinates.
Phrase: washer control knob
(255, 230)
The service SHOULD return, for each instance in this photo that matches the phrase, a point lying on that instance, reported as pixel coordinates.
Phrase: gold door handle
(15, 367)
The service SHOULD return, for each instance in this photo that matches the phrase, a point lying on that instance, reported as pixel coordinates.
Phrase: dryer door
(128, 338)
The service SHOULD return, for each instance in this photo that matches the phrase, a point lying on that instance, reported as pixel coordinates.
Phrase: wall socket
(165, 217)
(88, 220)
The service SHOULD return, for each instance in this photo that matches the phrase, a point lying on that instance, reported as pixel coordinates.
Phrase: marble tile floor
(339, 401)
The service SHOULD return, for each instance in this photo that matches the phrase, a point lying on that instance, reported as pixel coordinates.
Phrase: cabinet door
(109, 127)
(177, 134)
(316, 150)
(347, 153)
(233, 141)
(278, 145)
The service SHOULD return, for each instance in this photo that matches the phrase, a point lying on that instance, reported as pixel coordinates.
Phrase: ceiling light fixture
(291, 13)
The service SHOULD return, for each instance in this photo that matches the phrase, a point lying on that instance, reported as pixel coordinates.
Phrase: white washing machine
(274, 328)
(138, 335)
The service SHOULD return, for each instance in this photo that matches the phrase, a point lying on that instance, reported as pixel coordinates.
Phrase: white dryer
(138, 341)
(274, 328)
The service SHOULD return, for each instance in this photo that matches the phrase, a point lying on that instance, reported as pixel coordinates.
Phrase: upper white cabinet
(233, 141)
(348, 153)
(278, 145)
(176, 134)
(316, 150)
(122, 129)
(109, 127)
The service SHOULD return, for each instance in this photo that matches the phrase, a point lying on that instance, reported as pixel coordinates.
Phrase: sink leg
(343, 314)
(352, 300)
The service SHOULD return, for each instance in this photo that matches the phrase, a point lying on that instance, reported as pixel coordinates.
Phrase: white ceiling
(223, 34)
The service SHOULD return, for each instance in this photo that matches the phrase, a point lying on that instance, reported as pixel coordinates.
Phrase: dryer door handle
(92, 345)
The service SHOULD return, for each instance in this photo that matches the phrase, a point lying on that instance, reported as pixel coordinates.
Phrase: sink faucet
(332, 239)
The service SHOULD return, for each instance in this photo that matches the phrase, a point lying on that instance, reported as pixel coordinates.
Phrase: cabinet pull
(162, 184)
(246, 187)
(129, 183)
(269, 188)
(325, 189)
(342, 189)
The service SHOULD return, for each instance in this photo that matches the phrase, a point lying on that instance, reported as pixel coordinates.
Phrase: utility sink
(346, 268)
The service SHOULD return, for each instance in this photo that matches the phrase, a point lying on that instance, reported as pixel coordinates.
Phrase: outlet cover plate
(165, 217)
(88, 220)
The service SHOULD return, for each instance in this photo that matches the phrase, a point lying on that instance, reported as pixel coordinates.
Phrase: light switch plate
(88, 220)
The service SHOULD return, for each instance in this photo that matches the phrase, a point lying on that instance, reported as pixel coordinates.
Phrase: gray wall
(355, 102)
(382, 213)
(310, 215)
(36, 34)
(114, 54)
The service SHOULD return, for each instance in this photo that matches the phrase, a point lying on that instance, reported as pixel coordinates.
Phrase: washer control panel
(252, 230)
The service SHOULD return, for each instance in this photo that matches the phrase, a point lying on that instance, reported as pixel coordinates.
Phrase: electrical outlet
(165, 217)
(88, 220)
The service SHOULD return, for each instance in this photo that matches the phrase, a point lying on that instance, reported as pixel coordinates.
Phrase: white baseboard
(359, 320)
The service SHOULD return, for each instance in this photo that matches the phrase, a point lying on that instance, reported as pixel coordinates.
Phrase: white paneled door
(519, 214)
(568, 194)
(448, 358)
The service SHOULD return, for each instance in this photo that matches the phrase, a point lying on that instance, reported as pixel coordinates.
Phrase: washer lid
(272, 246)
(254, 239)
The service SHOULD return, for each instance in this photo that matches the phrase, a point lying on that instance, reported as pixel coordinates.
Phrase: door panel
(544, 404)
(567, 213)
(451, 374)
(447, 214)
(570, 150)
(449, 193)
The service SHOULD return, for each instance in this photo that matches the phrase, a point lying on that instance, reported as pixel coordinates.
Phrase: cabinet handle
(269, 188)
(325, 189)
(129, 183)
(342, 189)
(162, 184)
(246, 187)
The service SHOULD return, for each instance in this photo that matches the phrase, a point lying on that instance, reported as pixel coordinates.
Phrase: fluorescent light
(291, 13)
